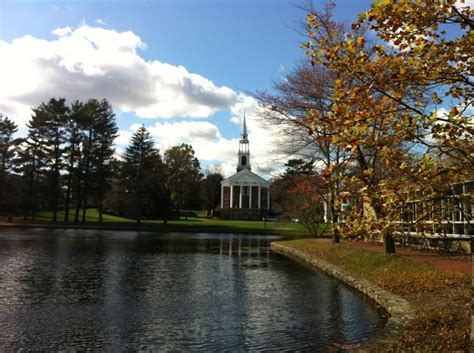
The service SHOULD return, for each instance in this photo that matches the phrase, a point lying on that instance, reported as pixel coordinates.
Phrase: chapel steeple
(244, 152)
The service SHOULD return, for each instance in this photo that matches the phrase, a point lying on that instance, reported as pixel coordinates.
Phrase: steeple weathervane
(244, 152)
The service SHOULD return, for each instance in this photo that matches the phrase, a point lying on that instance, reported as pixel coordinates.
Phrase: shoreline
(400, 310)
(158, 228)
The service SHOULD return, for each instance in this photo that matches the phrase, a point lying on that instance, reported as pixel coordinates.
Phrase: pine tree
(104, 136)
(99, 128)
(7, 152)
(75, 137)
(31, 165)
(141, 162)
(49, 121)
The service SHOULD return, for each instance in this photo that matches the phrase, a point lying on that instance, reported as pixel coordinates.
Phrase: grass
(441, 298)
(187, 224)
(92, 215)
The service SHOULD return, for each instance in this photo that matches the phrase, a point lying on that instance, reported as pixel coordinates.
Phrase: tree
(383, 101)
(211, 190)
(141, 162)
(31, 165)
(103, 151)
(75, 137)
(300, 194)
(7, 153)
(304, 91)
(49, 121)
(182, 173)
(96, 122)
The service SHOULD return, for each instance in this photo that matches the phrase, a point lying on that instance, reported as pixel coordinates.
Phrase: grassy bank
(441, 298)
(188, 224)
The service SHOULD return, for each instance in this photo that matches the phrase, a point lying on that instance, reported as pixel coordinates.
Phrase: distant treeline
(67, 162)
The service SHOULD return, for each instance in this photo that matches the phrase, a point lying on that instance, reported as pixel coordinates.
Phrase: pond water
(128, 291)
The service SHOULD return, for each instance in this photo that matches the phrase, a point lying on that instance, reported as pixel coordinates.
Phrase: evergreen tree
(96, 120)
(7, 152)
(49, 121)
(142, 161)
(104, 136)
(75, 137)
(31, 165)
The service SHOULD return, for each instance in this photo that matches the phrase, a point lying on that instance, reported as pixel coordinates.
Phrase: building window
(244, 160)
(245, 190)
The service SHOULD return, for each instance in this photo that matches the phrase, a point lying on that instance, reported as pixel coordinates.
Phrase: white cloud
(211, 148)
(100, 22)
(93, 62)
(61, 32)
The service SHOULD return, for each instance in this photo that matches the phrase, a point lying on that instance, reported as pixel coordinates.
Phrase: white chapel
(244, 195)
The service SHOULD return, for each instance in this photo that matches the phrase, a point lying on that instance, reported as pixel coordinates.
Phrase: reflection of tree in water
(132, 291)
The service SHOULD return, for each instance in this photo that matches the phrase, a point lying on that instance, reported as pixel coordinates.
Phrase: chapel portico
(244, 195)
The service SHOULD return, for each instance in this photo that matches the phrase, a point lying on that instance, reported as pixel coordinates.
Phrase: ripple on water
(141, 292)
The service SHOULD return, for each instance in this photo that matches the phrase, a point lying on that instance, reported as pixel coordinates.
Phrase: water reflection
(117, 291)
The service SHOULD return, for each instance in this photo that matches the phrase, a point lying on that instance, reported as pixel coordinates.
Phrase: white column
(240, 196)
(259, 197)
(222, 196)
(268, 198)
(231, 196)
(250, 197)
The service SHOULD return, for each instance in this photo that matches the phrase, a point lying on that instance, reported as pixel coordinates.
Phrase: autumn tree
(299, 195)
(383, 101)
(430, 47)
(303, 91)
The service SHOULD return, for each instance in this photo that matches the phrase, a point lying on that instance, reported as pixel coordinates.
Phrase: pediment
(245, 176)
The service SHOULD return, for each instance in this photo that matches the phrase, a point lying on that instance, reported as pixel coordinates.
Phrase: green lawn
(92, 215)
(188, 224)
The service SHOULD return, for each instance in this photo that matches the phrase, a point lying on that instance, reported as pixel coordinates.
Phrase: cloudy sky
(183, 68)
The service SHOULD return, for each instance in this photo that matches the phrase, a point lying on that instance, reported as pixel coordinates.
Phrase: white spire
(244, 131)
(244, 153)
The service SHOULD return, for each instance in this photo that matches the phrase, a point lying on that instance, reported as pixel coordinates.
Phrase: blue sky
(183, 68)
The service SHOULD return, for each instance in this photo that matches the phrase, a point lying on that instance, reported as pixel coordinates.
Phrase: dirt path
(450, 263)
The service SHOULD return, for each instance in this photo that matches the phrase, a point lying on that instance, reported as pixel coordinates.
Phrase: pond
(128, 291)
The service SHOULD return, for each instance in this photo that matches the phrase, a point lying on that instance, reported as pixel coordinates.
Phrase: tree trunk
(55, 196)
(84, 204)
(139, 207)
(86, 177)
(78, 205)
(68, 199)
(336, 238)
(389, 244)
(100, 210)
(68, 190)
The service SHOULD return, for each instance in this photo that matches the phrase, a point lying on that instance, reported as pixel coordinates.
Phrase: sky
(186, 69)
